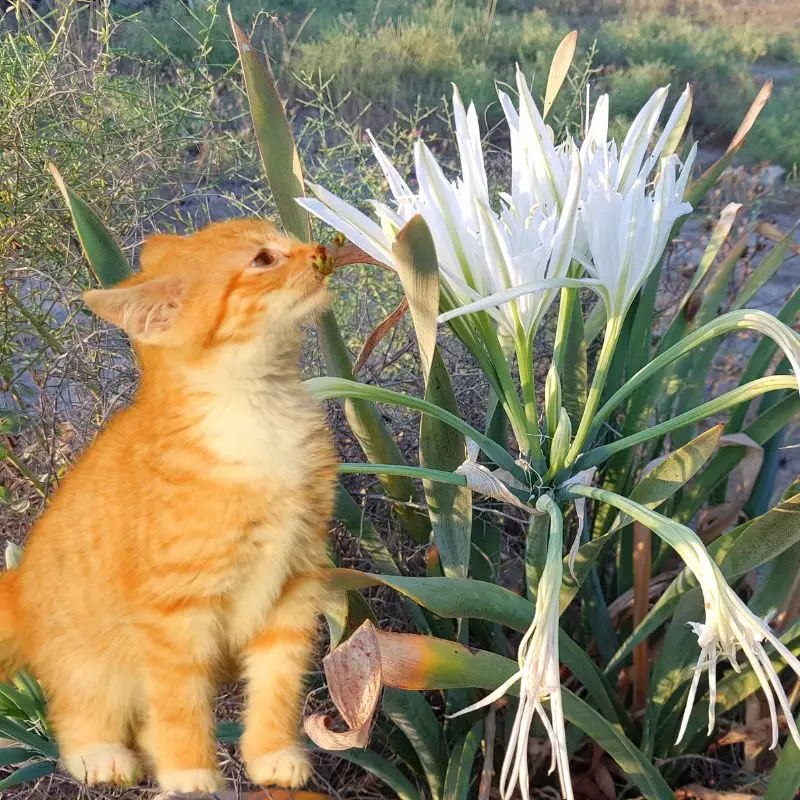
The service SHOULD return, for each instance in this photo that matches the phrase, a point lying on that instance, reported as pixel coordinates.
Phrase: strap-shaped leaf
(423, 662)
(760, 360)
(284, 174)
(440, 445)
(30, 772)
(671, 474)
(104, 255)
(383, 770)
(412, 713)
(464, 598)
(274, 136)
(459, 768)
(785, 778)
(697, 190)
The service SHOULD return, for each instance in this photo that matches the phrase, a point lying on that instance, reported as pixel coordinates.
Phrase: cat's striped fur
(192, 533)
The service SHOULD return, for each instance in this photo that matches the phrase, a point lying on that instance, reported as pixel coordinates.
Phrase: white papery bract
(730, 625)
(481, 252)
(539, 676)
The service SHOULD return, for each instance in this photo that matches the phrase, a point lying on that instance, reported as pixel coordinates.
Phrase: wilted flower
(538, 676)
(729, 625)
(482, 253)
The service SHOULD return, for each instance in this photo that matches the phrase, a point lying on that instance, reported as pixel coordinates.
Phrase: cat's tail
(10, 655)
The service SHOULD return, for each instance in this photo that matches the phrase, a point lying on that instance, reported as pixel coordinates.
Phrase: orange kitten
(193, 531)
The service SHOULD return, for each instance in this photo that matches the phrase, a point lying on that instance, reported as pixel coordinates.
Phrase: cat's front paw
(288, 767)
(104, 762)
(186, 781)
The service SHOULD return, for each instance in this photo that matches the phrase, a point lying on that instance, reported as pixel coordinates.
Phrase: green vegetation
(392, 56)
(156, 133)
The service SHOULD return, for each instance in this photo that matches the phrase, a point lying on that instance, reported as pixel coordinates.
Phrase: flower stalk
(539, 676)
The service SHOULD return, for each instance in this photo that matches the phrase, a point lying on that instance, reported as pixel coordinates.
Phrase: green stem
(741, 394)
(509, 397)
(37, 324)
(565, 307)
(441, 476)
(596, 391)
(26, 473)
(746, 319)
(524, 350)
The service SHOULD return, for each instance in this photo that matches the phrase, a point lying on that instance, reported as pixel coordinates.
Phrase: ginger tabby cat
(193, 530)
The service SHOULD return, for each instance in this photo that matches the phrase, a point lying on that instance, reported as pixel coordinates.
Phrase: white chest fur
(256, 423)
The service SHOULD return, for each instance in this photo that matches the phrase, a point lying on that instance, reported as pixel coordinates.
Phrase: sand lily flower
(483, 253)
(538, 676)
(625, 220)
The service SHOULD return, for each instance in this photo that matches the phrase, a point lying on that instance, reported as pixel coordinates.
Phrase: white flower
(729, 625)
(482, 253)
(538, 676)
(625, 221)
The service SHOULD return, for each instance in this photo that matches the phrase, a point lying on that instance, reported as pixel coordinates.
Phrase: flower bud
(552, 400)
(559, 446)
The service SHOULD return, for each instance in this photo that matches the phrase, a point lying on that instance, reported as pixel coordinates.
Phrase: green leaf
(775, 582)
(412, 713)
(595, 322)
(756, 320)
(10, 729)
(383, 770)
(418, 270)
(760, 360)
(630, 759)
(274, 136)
(326, 388)
(101, 250)
(674, 472)
(344, 613)
(452, 478)
(741, 394)
(784, 781)
(765, 270)
(358, 523)
(574, 378)
(21, 700)
(283, 170)
(760, 430)
(465, 598)
(440, 445)
(12, 422)
(698, 189)
(14, 755)
(30, 772)
(673, 668)
(449, 664)
(229, 732)
(459, 768)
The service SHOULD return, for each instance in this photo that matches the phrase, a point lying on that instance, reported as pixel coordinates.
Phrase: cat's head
(230, 283)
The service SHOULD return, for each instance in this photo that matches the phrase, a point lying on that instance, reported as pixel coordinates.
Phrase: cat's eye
(263, 259)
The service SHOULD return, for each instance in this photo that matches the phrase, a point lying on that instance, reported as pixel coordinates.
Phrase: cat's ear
(146, 311)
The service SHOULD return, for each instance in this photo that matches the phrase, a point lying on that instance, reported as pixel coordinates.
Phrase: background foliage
(146, 120)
